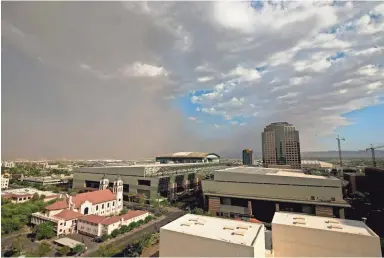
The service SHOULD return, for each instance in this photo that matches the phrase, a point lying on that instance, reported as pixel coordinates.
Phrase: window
(60, 230)
(113, 204)
(102, 206)
(97, 207)
(144, 182)
(108, 205)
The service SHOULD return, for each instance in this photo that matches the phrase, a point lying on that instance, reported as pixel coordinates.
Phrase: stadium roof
(187, 155)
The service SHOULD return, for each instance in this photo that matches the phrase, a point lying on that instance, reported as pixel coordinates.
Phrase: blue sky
(156, 77)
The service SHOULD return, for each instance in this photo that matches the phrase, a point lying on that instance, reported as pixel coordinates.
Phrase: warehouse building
(202, 236)
(153, 180)
(188, 157)
(297, 235)
(315, 164)
(260, 192)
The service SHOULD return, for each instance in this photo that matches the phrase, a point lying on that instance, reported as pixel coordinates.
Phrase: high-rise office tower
(281, 145)
(247, 157)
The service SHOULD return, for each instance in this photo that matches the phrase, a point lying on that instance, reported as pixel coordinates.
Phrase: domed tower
(118, 191)
(104, 183)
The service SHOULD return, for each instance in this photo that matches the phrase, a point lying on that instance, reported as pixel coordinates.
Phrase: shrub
(140, 222)
(78, 249)
(115, 233)
(124, 229)
(148, 219)
(133, 225)
(104, 237)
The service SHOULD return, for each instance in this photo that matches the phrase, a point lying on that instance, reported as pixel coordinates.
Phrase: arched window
(86, 210)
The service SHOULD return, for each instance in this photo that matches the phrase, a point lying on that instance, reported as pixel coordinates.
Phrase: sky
(131, 80)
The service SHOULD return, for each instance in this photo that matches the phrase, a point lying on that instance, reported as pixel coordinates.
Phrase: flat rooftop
(27, 191)
(322, 223)
(274, 172)
(65, 241)
(231, 231)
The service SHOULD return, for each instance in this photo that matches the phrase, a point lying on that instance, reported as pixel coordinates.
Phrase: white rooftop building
(202, 236)
(298, 235)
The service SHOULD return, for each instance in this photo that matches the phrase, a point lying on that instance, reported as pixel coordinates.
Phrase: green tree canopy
(115, 233)
(45, 231)
(42, 249)
(78, 249)
(107, 250)
(63, 251)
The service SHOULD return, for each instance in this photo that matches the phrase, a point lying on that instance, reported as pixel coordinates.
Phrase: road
(136, 235)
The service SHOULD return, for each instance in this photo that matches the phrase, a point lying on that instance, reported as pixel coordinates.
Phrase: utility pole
(341, 160)
(372, 149)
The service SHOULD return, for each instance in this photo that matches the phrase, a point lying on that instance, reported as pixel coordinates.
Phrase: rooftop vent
(334, 227)
(332, 222)
(242, 227)
(200, 223)
(186, 224)
(299, 223)
(228, 228)
(238, 233)
(299, 218)
(193, 220)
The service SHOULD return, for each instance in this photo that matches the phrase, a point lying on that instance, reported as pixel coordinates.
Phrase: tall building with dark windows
(281, 145)
(247, 157)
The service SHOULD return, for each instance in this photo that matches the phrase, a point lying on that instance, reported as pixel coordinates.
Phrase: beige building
(202, 236)
(22, 195)
(281, 145)
(152, 180)
(315, 164)
(64, 221)
(94, 225)
(297, 235)
(260, 192)
(4, 182)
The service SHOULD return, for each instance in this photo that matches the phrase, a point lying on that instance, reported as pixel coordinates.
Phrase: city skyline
(130, 80)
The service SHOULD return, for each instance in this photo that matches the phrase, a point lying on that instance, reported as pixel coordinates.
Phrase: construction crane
(341, 160)
(373, 153)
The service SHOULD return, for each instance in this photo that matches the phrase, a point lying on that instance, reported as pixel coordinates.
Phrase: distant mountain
(316, 154)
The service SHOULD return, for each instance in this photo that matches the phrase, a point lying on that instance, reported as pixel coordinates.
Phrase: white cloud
(205, 79)
(139, 69)
(246, 74)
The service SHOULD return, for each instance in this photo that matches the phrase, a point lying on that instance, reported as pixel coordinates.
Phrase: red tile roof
(59, 205)
(11, 195)
(93, 197)
(110, 220)
(131, 214)
(68, 215)
(93, 219)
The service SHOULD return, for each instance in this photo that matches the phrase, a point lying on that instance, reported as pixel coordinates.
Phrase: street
(92, 252)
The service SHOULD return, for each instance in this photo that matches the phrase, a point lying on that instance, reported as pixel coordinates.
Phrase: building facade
(4, 182)
(281, 145)
(247, 157)
(260, 192)
(152, 180)
(201, 236)
(297, 235)
(96, 226)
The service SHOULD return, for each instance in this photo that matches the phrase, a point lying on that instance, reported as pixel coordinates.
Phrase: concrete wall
(271, 191)
(174, 244)
(295, 241)
(89, 228)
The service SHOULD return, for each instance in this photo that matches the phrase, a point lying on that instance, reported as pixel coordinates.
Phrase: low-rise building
(188, 157)
(260, 192)
(8, 164)
(298, 235)
(48, 180)
(4, 182)
(103, 202)
(22, 195)
(96, 226)
(315, 164)
(202, 236)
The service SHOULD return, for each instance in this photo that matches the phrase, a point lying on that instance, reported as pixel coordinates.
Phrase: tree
(107, 250)
(78, 249)
(123, 211)
(104, 237)
(148, 219)
(141, 199)
(124, 229)
(133, 250)
(63, 251)
(35, 197)
(115, 233)
(154, 202)
(42, 249)
(45, 231)
(133, 225)
(18, 245)
(198, 211)
(140, 222)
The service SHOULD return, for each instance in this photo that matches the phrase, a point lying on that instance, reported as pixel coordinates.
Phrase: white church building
(64, 213)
